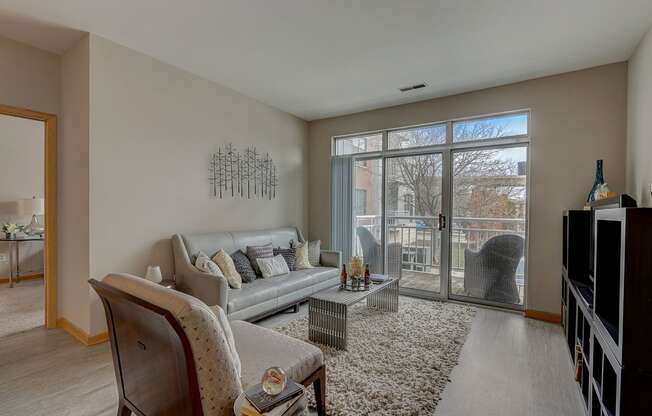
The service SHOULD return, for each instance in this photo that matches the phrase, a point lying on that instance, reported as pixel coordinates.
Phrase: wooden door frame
(50, 243)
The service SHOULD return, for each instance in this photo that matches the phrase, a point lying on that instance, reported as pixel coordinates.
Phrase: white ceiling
(317, 59)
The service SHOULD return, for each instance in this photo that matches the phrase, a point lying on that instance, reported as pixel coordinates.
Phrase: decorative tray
(355, 285)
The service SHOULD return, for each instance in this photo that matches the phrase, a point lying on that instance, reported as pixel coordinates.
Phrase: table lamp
(154, 274)
(33, 207)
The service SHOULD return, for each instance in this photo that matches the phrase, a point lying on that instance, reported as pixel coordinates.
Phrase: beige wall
(29, 77)
(152, 129)
(21, 163)
(577, 118)
(73, 221)
(21, 176)
(639, 123)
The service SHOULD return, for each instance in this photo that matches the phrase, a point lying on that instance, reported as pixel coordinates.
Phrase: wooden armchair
(173, 355)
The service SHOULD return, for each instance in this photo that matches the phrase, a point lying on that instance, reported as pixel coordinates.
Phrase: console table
(14, 269)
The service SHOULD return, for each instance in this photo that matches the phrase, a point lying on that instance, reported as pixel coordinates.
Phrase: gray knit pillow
(314, 250)
(290, 256)
(243, 266)
(259, 252)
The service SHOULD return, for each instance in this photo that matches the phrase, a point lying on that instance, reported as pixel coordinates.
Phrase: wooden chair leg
(123, 410)
(320, 391)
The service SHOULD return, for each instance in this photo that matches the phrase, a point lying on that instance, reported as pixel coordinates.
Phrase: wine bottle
(367, 276)
(343, 277)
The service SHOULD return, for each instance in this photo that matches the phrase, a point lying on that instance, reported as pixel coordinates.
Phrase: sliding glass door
(488, 224)
(414, 209)
(443, 206)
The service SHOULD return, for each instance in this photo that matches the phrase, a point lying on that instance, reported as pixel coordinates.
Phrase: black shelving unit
(606, 304)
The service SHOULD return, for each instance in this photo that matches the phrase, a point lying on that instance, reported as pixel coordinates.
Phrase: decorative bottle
(343, 277)
(367, 276)
(599, 180)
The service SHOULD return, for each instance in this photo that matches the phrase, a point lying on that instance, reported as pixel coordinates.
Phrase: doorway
(40, 210)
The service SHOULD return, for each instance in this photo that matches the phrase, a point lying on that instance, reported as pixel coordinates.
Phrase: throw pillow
(259, 252)
(205, 264)
(314, 250)
(302, 257)
(243, 266)
(273, 266)
(289, 254)
(225, 263)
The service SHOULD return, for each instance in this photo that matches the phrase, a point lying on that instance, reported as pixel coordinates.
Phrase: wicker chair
(372, 253)
(490, 273)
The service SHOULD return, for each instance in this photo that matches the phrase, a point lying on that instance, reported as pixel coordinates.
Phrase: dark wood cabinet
(606, 307)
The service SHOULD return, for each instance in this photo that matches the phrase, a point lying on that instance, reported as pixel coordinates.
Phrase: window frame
(488, 117)
(335, 139)
(449, 144)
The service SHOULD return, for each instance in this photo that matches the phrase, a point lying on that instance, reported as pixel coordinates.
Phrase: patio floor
(431, 282)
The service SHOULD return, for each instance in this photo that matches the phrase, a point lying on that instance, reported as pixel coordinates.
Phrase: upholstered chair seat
(260, 348)
(155, 330)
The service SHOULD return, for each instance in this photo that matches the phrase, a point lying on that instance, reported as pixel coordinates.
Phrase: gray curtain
(342, 206)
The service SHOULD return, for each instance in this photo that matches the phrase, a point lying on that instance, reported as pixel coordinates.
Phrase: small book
(287, 408)
(263, 402)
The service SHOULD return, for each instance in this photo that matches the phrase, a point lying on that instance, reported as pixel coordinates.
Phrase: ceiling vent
(413, 87)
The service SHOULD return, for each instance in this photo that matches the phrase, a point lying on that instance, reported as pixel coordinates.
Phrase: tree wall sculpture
(247, 175)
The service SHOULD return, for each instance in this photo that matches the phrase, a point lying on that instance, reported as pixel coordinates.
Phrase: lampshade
(34, 206)
(154, 274)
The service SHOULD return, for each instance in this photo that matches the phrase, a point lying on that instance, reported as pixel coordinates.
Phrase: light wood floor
(509, 366)
(21, 307)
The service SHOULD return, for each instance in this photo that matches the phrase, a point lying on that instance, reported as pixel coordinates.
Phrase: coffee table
(328, 310)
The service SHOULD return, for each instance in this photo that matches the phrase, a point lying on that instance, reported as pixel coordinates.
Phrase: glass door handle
(442, 222)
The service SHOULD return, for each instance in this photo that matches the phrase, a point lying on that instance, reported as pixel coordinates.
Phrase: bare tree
(421, 175)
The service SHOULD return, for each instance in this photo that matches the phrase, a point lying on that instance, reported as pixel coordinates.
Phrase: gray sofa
(263, 296)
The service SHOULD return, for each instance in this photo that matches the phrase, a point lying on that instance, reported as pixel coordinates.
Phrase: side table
(169, 283)
(14, 269)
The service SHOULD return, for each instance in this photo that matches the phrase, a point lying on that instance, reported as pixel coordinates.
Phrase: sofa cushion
(303, 261)
(205, 264)
(301, 279)
(243, 266)
(299, 359)
(259, 252)
(289, 254)
(258, 291)
(273, 266)
(314, 249)
(226, 265)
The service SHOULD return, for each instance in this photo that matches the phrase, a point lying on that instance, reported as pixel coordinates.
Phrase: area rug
(396, 363)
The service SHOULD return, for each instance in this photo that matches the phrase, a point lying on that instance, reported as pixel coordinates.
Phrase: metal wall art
(246, 175)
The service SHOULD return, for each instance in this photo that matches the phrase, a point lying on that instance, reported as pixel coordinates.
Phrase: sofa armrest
(210, 289)
(330, 258)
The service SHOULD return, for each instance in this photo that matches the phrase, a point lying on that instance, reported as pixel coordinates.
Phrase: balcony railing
(421, 240)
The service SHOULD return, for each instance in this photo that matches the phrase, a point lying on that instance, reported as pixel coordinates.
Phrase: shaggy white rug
(396, 363)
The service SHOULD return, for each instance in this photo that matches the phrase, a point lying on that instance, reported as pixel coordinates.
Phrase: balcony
(420, 247)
